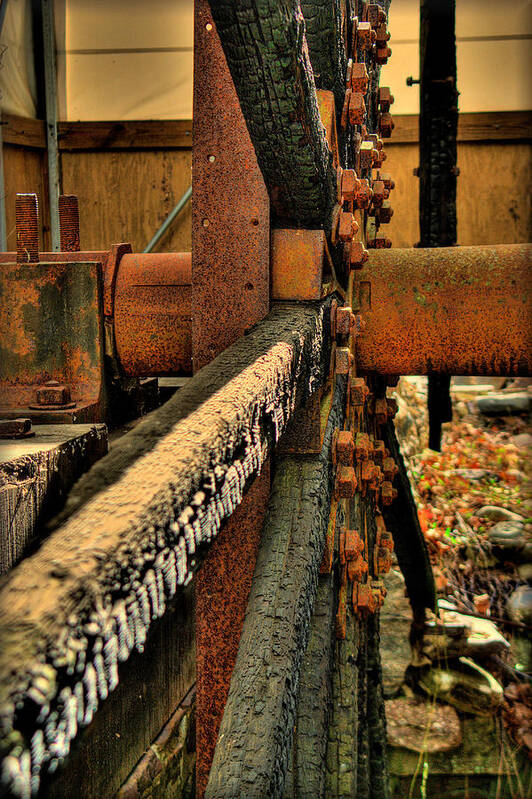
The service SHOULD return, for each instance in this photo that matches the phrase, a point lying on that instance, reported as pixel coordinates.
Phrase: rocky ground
(475, 509)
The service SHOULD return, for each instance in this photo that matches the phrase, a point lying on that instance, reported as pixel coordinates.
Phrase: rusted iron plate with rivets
(454, 310)
(152, 314)
(230, 206)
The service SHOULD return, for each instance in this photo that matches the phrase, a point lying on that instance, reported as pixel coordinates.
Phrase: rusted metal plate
(300, 266)
(51, 329)
(230, 206)
(152, 314)
(222, 590)
(458, 311)
(328, 117)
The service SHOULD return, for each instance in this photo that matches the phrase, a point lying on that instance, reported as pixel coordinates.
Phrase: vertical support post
(230, 292)
(438, 122)
(50, 93)
(3, 229)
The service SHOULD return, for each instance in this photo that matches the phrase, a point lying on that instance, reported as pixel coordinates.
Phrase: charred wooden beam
(327, 29)
(266, 51)
(251, 757)
(134, 531)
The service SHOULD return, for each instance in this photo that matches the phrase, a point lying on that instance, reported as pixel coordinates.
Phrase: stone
(473, 474)
(523, 441)
(455, 635)
(422, 726)
(504, 404)
(510, 540)
(396, 621)
(495, 514)
(467, 686)
(519, 605)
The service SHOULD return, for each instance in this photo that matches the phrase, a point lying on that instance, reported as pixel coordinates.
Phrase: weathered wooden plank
(149, 134)
(481, 126)
(251, 757)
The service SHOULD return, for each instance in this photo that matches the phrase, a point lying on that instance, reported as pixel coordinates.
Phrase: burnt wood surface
(254, 742)
(326, 28)
(266, 51)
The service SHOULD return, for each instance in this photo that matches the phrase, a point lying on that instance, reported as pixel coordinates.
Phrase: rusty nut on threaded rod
(359, 77)
(343, 449)
(346, 482)
(27, 228)
(69, 223)
(386, 99)
(359, 392)
(347, 226)
(53, 393)
(355, 254)
(344, 361)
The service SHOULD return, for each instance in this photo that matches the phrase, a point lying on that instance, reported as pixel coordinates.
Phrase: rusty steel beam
(135, 530)
(153, 314)
(459, 311)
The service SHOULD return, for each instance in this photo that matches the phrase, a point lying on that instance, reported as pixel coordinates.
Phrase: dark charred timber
(410, 546)
(308, 766)
(266, 51)
(378, 764)
(438, 123)
(327, 28)
(255, 738)
(122, 555)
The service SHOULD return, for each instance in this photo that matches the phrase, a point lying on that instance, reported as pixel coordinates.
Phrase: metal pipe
(50, 87)
(458, 311)
(169, 219)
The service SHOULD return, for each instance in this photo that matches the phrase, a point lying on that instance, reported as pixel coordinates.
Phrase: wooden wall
(128, 176)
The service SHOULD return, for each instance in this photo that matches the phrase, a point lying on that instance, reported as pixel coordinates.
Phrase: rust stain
(460, 310)
(297, 261)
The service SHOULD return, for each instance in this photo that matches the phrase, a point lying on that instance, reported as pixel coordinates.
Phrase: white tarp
(17, 75)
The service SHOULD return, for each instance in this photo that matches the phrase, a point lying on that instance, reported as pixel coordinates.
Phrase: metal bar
(3, 229)
(458, 311)
(169, 219)
(136, 524)
(50, 88)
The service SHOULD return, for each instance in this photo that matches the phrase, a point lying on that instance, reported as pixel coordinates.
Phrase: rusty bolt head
(363, 193)
(386, 99)
(388, 182)
(344, 321)
(386, 125)
(379, 190)
(365, 35)
(381, 410)
(349, 185)
(379, 452)
(388, 493)
(382, 35)
(383, 560)
(344, 118)
(375, 14)
(367, 155)
(393, 407)
(359, 392)
(382, 54)
(367, 472)
(357, 108)
(379, 243)
(386, 540)
(15, 428)
(363, 600)
(357, 255)
(347, 226)
(359, 78)
(375, 140)
(344, 361)
(346, 482)
(389, 468)
(344, 447)
(53, 393)
(356, 568)
(363, 447)
(385, 212)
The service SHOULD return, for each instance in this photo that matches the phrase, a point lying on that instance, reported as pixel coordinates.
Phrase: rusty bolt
(382, 54)
(379, 243)
(375, 140)
(375, 14)
(344, 449)
(363, 446)
(344, 321)
(363, 600)
(347, 226)
(344, 361)
(381, 410)
(389, 468)
(69, 223)
(388, 182)
(359, 78)
(386, 540)
(368, 475)
(27, 227)
(365, 35)
(383, 560)
(376, 480)
(363, 194)
(357, 255)
(382, 35)
(15, 428)
(351, 545)
(346, 482)
(386, 125)
(379, 452)
(385, 212)
(379, 593)
(53, 393)
(345, 110)
(386, 99)
(356, 568)
(367, 155)
(359, 392)
(388, 493)
(379, 191)
(357, 108)
(349, 184)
